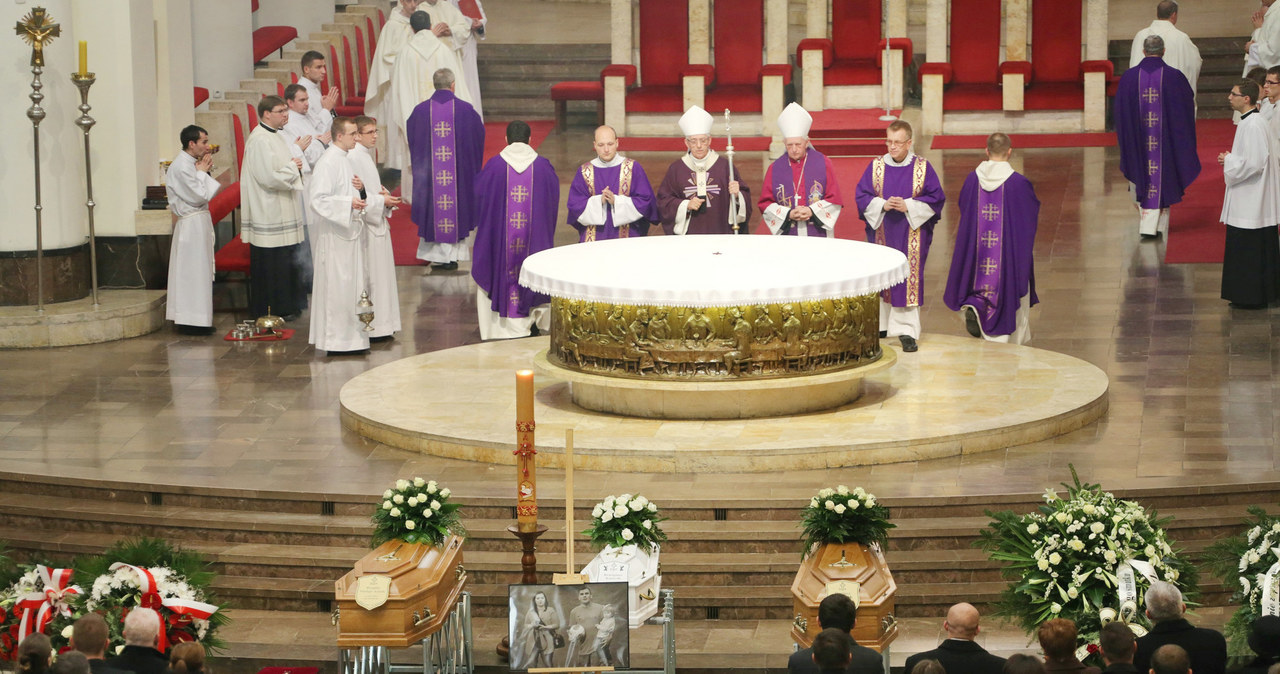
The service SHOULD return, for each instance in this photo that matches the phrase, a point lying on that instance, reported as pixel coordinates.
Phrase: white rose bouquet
(626, 520)
(416, 511)
(1063, 560)
(844, 515)
(1243, 563)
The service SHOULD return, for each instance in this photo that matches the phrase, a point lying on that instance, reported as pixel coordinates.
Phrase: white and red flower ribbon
(39, 608)
(152, 599)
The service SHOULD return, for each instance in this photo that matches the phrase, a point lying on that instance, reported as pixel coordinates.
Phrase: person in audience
(830, 651)
(610, 196)
(1155, 120)
(697, 194)
(141, 639)
(837, 611)
(70, 662)
(1021, 663)
(801, 196)
(960, 654)
(33, 654)
(1170, 659)
(319, 106)
(89, 636)
(928, 667)
(189, 188)
(992, 278)
(186, 658)
(1117, 644)
(1165, 609)
(1058, 641)
(1180, 51)
(900, 198)
(1264, 640)
(383, 289)
(517, 195)
(1250, 209)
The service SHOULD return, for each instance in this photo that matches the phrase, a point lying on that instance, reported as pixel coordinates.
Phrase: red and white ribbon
(152, 599)
(39, 608)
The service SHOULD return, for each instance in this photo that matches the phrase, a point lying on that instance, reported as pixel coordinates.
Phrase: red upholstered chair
(563, 92)
(664, 56)
(1057, 81)
(336, 79)
(739, 67)
(352, 93)
(233, 256)
(268, 39)
(372, 31)
(971, 77)
(853, 55)
(362, 65)
(201, 95)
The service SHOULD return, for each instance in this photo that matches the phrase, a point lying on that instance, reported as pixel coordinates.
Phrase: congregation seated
(1116, 643)
(928, 667)
(1165, 608)
(831, 651)
(89, 637)
(1021, 663)
(186, 658)
(33, 654)
(838, 614)
(959, 653)
(141, 639)
(1058, 641)
(1264, 640)
(71, 662)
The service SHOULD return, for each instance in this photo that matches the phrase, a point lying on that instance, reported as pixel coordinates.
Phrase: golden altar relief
(758, 341)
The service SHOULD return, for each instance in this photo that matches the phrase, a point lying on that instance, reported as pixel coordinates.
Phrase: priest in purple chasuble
(900, 199)
(1155, 119)
(610, 196)
(446, 145)
(992, 278)
(517, 197)
(800, 197)
(697, 194)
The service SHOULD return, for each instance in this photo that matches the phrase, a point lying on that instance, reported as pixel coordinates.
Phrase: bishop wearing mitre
(698, 194)
(801, 197)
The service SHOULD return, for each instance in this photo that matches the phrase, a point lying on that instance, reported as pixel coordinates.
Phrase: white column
(1015, 30)
(811, 70)
(775, 31)
(221, 43)
(174, 73)
(931, 104)
(699, 31)
(61, 144)
(895, 18)
(620, 30)
(935, 31)
(1095, 30)
(816, 18)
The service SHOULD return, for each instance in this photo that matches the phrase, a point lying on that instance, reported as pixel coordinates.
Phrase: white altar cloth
(711, 271)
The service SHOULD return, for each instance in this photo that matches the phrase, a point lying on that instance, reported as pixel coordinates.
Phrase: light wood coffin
(425, 583)
(851, 563)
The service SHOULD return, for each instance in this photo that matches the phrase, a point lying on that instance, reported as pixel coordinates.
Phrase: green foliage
(843, 515)
(1242, 562)
(626, 520)
(416, 511)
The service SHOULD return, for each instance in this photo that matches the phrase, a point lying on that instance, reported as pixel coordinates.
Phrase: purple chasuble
(992, 267)
(813, 185)
(1154, 111)
(446, 147)
(916, 180)
(680, 183)
(516, 218)
(626, 179)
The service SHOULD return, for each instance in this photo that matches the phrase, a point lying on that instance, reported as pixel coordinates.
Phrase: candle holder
(83, 81)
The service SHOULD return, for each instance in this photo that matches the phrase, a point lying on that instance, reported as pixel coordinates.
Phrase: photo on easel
(568, 626)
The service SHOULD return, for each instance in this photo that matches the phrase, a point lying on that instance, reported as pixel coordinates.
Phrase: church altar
(634, 320)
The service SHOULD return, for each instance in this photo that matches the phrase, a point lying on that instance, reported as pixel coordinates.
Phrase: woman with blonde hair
(186, 658)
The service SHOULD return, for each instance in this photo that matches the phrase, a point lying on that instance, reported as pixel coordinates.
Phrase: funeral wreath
(416, 511)
(626, 520)
(1088, 557)
(1248, 565)
(844, 515)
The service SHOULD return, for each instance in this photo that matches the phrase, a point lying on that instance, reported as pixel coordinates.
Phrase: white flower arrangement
(844, 515)
(416, 511)
(625, 520)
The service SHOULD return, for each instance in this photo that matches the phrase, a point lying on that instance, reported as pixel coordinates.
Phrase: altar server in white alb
(319, 105)
(379, 256)
(800, 196)
(190, 187)
(473, 10)
(272, 216)
(1179, 51)
(1251, 207)
(394, 36)
(338, 209)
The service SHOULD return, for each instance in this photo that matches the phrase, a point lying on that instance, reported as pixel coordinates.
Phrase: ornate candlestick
(37, 29)
(83, 81)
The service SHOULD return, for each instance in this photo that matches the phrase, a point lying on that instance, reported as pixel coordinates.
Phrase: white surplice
(379, 257)
(190, 300)
(270, 210)
(319, 117)
(339, 259)
(1265, 51)
(596, 213)
(300, 125)
(395, 34)
(443, 11)
(1252, 174)
(1179, 51)
(469, 53)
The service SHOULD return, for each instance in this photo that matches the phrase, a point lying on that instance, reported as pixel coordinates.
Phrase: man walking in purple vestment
(992, 279)
(1155, 119)
(446, 148)
(517, 197)
(610, 197)
(900, 199)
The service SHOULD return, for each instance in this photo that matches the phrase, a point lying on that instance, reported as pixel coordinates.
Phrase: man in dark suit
(89, 636)
(1117, 645)
(1207, 648)
(837, 611)
(141, 638)
(959, 654)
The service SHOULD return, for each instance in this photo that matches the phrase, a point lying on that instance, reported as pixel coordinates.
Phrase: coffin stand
(426, 583)
(839, 566)
(639, 568)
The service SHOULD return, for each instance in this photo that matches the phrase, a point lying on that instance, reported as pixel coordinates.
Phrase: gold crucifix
(37, 29)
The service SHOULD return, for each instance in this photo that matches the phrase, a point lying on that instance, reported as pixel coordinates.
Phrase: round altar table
(710, 327)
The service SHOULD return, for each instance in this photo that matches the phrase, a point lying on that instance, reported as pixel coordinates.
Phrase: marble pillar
(620, 26)
(1015, 30)
(931, 105)
(1012, 88)
(1095, 101)
(811, 73)
(1095, 30)
(615, 103)
(695, 91)
(775, 31)
(935, 31)
(816, 19)
(771, 105)
(893, 79)
(699, 32)
(895, 18)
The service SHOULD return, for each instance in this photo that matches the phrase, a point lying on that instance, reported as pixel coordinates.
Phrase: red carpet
(847, 120)
(404, 234)
(676, 143)
(1027, 140)
(1195, 233)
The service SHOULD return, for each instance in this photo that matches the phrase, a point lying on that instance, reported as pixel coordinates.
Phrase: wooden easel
(569, 577)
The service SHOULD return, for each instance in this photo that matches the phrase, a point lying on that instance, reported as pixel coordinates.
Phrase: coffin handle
(801, 623)
(420, 621)
(648, 594)
(887, 623)
(335, 616)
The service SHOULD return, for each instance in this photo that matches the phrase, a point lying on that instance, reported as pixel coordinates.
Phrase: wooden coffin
(421, 583)
(836, 567)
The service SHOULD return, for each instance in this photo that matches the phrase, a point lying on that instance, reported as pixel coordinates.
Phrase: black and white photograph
(568, 626)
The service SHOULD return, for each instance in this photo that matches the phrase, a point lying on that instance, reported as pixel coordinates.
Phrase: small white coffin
(639, 569)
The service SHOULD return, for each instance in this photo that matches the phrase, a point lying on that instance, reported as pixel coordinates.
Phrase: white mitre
(794, 122)
(696, 122)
